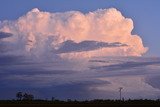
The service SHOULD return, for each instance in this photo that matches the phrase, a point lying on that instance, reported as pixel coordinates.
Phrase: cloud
(71, 46)
(153, 80)
(42, 33)
(139, 78)
(126, 65)
(4, 35)
(34, 48)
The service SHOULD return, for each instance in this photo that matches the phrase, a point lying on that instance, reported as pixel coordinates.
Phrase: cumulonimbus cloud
(40, 33)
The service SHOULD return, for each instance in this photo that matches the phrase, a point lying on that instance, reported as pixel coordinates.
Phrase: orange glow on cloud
(34, 29)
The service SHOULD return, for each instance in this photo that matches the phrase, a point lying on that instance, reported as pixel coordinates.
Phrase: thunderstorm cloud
(42, 33)
(75, 55)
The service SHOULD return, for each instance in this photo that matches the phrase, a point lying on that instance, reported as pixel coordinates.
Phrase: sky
(143, 13)
(80, 49)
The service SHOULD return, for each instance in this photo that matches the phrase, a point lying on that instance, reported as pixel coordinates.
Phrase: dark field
(92, 103)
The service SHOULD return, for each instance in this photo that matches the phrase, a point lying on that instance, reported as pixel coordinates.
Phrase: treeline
(27, 98)
(69, 101)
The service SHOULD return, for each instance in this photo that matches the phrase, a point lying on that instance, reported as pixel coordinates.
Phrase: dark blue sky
(145, 14)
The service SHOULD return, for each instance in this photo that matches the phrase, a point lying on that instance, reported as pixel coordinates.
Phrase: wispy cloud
(126, 65)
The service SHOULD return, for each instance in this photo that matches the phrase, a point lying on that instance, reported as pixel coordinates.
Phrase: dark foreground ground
(93, 103)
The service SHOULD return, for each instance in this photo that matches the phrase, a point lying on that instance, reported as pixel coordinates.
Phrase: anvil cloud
(42, 33)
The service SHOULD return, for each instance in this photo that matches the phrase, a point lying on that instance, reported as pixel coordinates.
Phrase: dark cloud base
(60, 80)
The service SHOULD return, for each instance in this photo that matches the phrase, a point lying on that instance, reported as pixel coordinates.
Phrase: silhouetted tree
(19, 95)
(28, 96)
(69, 100)
(53, 98)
